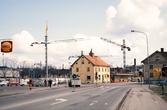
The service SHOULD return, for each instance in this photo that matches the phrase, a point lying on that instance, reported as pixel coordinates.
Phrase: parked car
(3, 82)
(11, 83)
(163, 82)
(23, 83)
(41, 82)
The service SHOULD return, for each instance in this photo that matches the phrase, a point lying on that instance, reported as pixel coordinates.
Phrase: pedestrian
(30, 84)
(50, 83)
(45, 82)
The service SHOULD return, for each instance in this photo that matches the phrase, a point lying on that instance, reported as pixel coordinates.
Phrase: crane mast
(123, 47)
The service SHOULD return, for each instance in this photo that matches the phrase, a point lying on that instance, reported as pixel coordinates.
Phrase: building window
(88, 69)
(151, 66)
(88, 77)
(164, 65)
(76, 62)
(99, 77)
(88, 62)
(82, 61)
(151, 74)
(157, 58)
(77, 69)
(99, 69)
(95, 69)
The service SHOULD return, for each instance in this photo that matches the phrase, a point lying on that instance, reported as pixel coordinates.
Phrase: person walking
(45, 82)
(50, 83)
(30, 84)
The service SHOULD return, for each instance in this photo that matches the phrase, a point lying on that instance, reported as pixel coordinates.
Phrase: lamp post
(147, 54)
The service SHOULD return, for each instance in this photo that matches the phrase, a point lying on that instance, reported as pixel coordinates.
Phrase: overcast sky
(24, 21)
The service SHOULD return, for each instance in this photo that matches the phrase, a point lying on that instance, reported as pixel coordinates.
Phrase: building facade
(90, 66)
(157, 61)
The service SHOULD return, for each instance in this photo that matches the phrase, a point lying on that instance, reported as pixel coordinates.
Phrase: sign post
(74, 77)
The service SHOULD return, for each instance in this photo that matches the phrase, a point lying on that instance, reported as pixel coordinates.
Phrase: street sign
(157, 71)
(74, 76)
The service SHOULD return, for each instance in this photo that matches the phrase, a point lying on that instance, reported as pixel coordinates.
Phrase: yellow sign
(157, 71)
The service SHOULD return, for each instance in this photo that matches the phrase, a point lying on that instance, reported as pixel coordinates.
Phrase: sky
(24, 22)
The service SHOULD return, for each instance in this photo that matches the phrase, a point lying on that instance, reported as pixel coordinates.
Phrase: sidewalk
(142, 98)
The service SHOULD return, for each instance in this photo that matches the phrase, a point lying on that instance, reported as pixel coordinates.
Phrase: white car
(3, 82)
(23, 83)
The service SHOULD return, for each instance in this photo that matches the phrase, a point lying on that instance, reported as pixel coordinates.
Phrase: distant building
(6, 72)
(158, 64)
(86, 66)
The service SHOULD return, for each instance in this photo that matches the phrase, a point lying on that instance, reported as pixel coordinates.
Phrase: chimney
(81, 53)
(91, 53)
(162, 49)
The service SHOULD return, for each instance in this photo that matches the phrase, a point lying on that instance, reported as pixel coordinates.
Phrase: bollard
(162, 89)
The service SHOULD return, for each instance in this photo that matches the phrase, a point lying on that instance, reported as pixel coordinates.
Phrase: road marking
(59, 101)
(106, 103)
(91, 103)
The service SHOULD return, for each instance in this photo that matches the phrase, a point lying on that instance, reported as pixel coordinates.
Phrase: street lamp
(147, 54)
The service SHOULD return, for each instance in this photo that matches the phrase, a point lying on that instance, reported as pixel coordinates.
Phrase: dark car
(163, 82)
(11, 83)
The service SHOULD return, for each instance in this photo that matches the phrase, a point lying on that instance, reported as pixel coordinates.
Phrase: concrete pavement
(142, 98)
(139, 98)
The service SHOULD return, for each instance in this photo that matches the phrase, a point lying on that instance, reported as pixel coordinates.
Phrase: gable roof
(94, 60)
(161, 53)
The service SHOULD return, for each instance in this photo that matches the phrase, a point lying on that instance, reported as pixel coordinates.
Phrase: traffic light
(96, 76)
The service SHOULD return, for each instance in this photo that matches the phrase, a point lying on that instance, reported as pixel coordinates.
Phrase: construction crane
(123, 47)
(98, 56)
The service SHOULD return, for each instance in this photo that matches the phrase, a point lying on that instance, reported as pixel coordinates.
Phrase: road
(102, 97)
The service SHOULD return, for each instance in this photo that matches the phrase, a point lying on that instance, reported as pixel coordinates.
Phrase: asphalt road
(103, 97)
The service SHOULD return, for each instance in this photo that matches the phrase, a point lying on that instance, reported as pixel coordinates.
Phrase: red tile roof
(96, 61)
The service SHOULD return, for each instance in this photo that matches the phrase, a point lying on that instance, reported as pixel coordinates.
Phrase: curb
(120, 105)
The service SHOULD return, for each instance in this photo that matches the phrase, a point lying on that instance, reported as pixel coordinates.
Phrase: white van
(75, 82)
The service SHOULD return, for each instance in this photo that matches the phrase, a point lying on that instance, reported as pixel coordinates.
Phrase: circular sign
(74, 76)
(6, 46)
